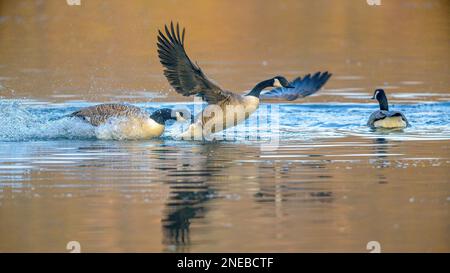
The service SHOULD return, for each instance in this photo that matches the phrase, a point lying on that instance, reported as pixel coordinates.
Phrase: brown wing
(98, 114)
(186, 77)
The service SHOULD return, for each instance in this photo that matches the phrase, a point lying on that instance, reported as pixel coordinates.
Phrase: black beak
(373, 97)
(290, 86)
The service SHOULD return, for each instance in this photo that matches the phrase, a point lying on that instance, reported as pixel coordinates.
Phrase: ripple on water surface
(25, 121)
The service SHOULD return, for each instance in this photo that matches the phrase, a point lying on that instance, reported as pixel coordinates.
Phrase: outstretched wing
(186, 77)
(302, 87)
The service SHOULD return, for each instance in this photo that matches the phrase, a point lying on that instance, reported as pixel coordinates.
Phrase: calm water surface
(316, 179)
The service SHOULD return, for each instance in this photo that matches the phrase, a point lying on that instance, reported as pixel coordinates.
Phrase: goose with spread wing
(301, 87)
(225, 108)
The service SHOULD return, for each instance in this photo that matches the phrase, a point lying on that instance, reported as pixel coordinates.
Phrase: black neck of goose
(162, 115)
(256, 91)
(383, 101)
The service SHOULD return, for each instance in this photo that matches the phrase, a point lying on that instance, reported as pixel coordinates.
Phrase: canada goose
(384, 118)
(137, 123)
(302, 87)
(225, 108)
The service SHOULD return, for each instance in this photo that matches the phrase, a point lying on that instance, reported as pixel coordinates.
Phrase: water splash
(23, 120)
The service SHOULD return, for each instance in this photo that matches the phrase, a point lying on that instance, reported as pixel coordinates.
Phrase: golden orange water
(104, 50)
(164, 195)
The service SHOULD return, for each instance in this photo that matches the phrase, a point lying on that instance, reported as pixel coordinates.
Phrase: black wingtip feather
(168, 34)
(178, 32)
(182, 37)
(172, 36)
(172, 31)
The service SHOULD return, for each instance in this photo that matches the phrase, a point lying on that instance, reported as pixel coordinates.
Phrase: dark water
(312, 177)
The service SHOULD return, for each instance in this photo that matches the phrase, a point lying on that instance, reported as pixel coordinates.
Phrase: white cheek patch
(179, 117)
(277, 83)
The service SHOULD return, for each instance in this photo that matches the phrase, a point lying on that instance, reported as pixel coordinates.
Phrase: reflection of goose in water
(283, 189)
(225, 109)
(381, 149)
(184, 205)
(134, 123)
(192, 183)
(189, 192)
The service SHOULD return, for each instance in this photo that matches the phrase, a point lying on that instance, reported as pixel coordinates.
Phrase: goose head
(183, 115)
(380, 96)
(280, 81)
(165, 114)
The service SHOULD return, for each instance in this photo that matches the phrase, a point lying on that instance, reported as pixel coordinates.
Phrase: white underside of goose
(235, 114)
(390, 122)
(129, 128)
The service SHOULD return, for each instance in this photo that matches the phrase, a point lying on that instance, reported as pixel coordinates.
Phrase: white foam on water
(18, 123)
(429, 121)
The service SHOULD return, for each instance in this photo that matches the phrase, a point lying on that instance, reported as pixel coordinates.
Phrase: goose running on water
(384, 118)
(225, 108)
(133, 122)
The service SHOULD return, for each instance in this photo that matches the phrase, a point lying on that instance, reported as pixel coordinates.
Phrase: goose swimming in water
(225, 108)
(137, 124)
(384, 118)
